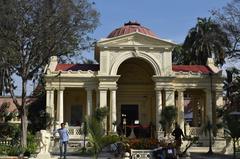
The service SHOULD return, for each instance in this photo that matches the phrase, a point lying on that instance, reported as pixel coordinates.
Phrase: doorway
(130, 112)
(76, 115)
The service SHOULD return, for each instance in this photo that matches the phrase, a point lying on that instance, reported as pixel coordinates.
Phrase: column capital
(113, 89)
(181, 89)
(49, 89)
(207, 90)
(89, 88)
(60, 89)
(169, 89)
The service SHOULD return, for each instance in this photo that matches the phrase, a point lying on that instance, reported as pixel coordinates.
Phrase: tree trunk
(24, 120)
(234, 148)
(24, 125)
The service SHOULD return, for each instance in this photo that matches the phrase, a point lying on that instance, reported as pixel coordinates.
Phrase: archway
(136, 95)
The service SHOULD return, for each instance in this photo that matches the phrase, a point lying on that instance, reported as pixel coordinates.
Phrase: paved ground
(193, 156)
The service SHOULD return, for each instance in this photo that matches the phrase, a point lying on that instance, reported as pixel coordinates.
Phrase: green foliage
(96, 133)
(180, 56)
(204, 40)
(228, 17)
(40, 119)
(9, 130)
(144, 143)
(32, 144)
(233, 124)
(10, 150)
(168, 116)
(101, 113)
(33, 31)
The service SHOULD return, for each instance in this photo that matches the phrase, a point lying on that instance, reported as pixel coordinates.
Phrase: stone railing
(193, 131)
(141, 154)
(75, 132)
(7, 141)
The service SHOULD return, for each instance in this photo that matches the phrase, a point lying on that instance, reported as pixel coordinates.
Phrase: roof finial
(132, 23)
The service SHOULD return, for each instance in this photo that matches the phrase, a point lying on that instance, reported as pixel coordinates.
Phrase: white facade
(135, 70)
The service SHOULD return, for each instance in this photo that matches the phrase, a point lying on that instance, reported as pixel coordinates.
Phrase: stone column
(158, 111)
(208, 105)
(219, 98)
(89, 102)
(103, 97)
(219, 104)
(113, 111)
(181, 108)
(48, 98)
(50, 102)
(169, 97)
(60, 108)
(103, 103)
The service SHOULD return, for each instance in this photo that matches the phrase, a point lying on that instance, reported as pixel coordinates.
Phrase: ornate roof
(192, 68)
(131, 27)
(95, 67)
(76, 67)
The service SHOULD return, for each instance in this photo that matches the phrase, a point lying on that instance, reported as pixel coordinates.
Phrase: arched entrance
(136, 95)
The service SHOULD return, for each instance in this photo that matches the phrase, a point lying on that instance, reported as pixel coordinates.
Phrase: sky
(168, 19)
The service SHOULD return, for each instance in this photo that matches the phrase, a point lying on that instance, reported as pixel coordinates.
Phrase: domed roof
(129, 28)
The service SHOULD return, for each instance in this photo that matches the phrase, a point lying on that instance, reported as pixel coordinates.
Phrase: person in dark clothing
(177, 133)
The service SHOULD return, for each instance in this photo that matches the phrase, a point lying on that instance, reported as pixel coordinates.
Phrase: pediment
(135, 39)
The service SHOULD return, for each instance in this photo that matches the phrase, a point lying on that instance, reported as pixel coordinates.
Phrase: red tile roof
(76, 67)
(192, 68)
(95, 67)
(129, 28)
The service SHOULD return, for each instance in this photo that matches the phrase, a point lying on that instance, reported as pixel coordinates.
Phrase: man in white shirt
(64, 137)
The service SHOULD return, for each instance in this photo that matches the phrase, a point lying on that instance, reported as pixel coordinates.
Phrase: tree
(231, 111)
(229, 19)
(96, 133)
(168, 116)
(31, 31)
(233, 125)
(205, 40)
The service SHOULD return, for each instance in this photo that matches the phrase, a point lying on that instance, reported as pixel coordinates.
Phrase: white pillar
(103, 98)
(89, 102)
(158, 110)
(103, 103)
(48, 97)
(50, 102)
(208, 104)
(113, 111)
(169, 97)
(181, 108)
(60, 106)
(219, 98)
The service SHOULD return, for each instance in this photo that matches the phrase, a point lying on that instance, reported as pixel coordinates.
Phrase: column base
(112, 133)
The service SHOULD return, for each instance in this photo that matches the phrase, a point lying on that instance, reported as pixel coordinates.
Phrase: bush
(10, 150)
(143, 143)
(9, 130)
(32, 145)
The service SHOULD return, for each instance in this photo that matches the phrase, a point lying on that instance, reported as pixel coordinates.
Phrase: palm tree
(205, 40)
(168, 116)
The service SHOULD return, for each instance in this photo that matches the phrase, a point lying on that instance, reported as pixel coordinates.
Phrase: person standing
(177, 133)
(64, 137)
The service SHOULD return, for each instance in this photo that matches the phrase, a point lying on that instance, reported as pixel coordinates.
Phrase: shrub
(32, 145)
(143, 143)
